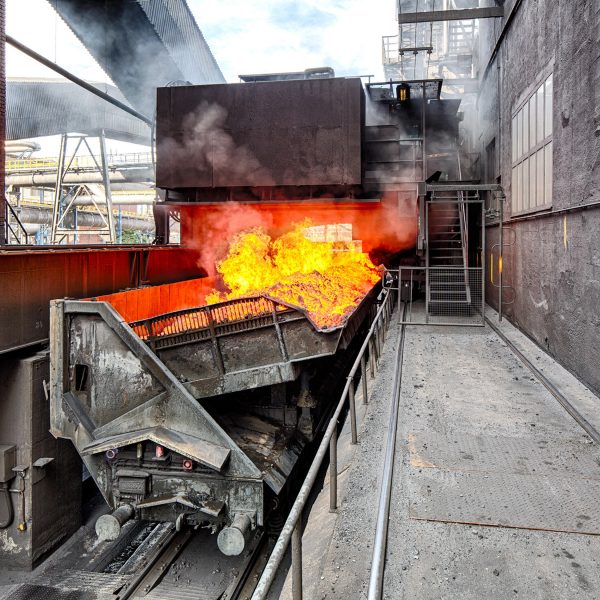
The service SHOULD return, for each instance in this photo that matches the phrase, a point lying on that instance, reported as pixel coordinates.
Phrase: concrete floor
(496, 488)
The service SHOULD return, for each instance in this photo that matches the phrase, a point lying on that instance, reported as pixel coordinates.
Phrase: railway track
(178, 565)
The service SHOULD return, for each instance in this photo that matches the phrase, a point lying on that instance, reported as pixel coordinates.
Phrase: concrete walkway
(496, 488)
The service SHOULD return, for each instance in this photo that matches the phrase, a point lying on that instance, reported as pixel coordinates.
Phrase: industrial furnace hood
(303, 134)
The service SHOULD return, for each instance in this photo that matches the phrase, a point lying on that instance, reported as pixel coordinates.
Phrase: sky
(285, 35)
(245, 36)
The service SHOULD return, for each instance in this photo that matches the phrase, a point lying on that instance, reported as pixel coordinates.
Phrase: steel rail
(577, 416)
(385, 495)
(293, 520)
(77, 80)
(157, 564)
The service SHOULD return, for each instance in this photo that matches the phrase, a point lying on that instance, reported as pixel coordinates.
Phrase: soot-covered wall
(554, 264)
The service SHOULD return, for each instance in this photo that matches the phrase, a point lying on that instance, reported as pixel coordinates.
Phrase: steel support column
(460, 14)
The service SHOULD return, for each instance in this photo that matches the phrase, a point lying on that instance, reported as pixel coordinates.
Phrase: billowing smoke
(216, 227)
(214, 150)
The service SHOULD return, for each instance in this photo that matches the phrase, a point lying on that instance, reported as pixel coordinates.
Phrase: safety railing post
(297, 560)
(363, 378)
(371, 358)
(387, 309)
(333, 471)
(352, 410)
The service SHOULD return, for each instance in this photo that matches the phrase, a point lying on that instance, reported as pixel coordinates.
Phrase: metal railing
(464, 241)
(78, 162)
(447, 299)
(292, 530)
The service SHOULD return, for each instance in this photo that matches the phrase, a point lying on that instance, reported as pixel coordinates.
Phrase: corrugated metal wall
(39, 108)
(29, 280)
(177, 28)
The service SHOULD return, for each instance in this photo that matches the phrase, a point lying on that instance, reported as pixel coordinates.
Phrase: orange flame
(327, 279)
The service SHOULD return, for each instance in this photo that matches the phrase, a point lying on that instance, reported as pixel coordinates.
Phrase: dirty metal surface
(286, 133)
(548, 503)
(504, 454)
(69, 585)
(273, 449)
(29, 591)
(207, 453)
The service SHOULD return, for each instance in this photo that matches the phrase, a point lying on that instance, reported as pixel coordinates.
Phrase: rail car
(198, 415)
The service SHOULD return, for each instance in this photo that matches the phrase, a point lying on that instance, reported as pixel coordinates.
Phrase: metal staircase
(448, 287)
(445, 235)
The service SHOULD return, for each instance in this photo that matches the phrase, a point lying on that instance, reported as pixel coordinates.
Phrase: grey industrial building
(551, 263)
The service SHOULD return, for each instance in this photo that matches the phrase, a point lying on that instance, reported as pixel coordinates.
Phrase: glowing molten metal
(326, 279)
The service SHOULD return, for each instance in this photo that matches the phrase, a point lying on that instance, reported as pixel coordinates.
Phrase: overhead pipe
(129, 201)
(49, 179)
(21, 146)
(43, 216)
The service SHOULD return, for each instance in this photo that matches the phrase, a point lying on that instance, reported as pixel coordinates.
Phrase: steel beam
(463, 187)
(462, 14)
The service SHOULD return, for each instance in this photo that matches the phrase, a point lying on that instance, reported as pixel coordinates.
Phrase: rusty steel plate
(492, 454)
(538, 502)
(521, 482)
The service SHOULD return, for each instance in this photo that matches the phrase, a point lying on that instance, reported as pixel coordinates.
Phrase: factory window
(532, 151)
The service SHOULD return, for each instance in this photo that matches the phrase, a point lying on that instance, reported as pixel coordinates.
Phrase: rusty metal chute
(121, 386)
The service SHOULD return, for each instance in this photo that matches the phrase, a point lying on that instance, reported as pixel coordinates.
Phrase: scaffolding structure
(65, 195)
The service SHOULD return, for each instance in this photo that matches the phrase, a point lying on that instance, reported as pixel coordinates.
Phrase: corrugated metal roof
(40, 108)
(178, 30)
